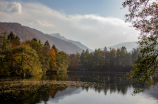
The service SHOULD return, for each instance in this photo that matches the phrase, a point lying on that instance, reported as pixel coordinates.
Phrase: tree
(62, 61)
(146, 64)
(82, 57)
(26, 61)
(43, 53)
(144, 17)
(11, 36)
(5, 51)
(34, 39)
(14, 40)
(112, 56)
(46, 44)
(134, 55)
(55, 48)
(53, 62)
(106, 56)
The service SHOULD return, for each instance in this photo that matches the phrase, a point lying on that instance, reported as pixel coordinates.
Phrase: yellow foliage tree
(53, 62)
(26, 61)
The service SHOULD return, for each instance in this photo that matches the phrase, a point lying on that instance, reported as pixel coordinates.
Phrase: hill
(129, 46)
(27, 33)
(57, 35)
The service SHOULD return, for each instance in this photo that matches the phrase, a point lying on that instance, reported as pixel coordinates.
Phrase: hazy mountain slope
(61, 44)
(17, 29)
(26, 33)
(129, 45)
(57, 35)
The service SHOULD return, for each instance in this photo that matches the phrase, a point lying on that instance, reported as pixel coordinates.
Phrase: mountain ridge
(129, 45)
(27, 33)
(79, 44)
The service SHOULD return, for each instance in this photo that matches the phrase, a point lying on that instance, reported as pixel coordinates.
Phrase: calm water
(76, 88)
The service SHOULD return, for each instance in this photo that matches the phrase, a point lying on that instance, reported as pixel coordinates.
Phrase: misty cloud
(92, 30)
(10, 7)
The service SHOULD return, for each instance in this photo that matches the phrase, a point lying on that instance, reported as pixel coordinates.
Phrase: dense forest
(103, 60)
(30, 57)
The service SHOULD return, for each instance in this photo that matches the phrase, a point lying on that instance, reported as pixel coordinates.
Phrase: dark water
(77, 88)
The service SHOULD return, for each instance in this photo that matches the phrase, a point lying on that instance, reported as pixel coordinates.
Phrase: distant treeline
(30, 57)
(103, 60)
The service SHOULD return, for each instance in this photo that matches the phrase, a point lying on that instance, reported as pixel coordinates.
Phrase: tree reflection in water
(41, 88)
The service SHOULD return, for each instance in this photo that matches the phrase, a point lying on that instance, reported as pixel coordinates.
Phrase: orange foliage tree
(53, 62)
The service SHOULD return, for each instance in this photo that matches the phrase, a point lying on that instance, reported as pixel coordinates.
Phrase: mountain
(129, 46)
(57, 35)
(27, 33)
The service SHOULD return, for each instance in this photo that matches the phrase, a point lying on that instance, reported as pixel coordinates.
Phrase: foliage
(46, 44)
(26, 61)
(30, 57)
(145, 66)
(53, 62)
(5, 51)
(14, 40)
(101, 59)
(144, 17)
(62, 61)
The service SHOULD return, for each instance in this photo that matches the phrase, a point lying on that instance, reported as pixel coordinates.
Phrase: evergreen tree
(11, 36)
(46, 44)
(34, 39)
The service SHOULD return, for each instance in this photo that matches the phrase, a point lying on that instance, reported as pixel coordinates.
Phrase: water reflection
(52, 89)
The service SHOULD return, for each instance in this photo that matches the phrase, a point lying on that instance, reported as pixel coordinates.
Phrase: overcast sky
(94, 23)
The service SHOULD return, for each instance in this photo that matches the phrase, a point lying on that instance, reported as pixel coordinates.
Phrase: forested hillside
(27, 33)
(30, 57)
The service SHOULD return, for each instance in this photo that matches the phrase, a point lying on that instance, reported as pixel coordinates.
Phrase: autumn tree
(26, 61)
(53, 61)
(5, 52)
(144, 17)
(43, 53)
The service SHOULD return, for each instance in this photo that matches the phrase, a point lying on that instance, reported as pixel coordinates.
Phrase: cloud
(10, 7)
(92, 30)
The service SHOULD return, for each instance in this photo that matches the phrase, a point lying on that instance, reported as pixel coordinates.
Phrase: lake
(77, 88)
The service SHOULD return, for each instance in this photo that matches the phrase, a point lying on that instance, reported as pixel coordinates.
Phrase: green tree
(106, 56)
(62, 61)
(5, 52)
(134, 54)
(26, 61)
(74, 60)
(46, 44)
(144, 17)
(112, 56)
(43, 53)
(82, 57)
(146, 64)
(14, 40)
(11, 36)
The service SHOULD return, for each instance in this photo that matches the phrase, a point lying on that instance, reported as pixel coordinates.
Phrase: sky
(94, 23)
